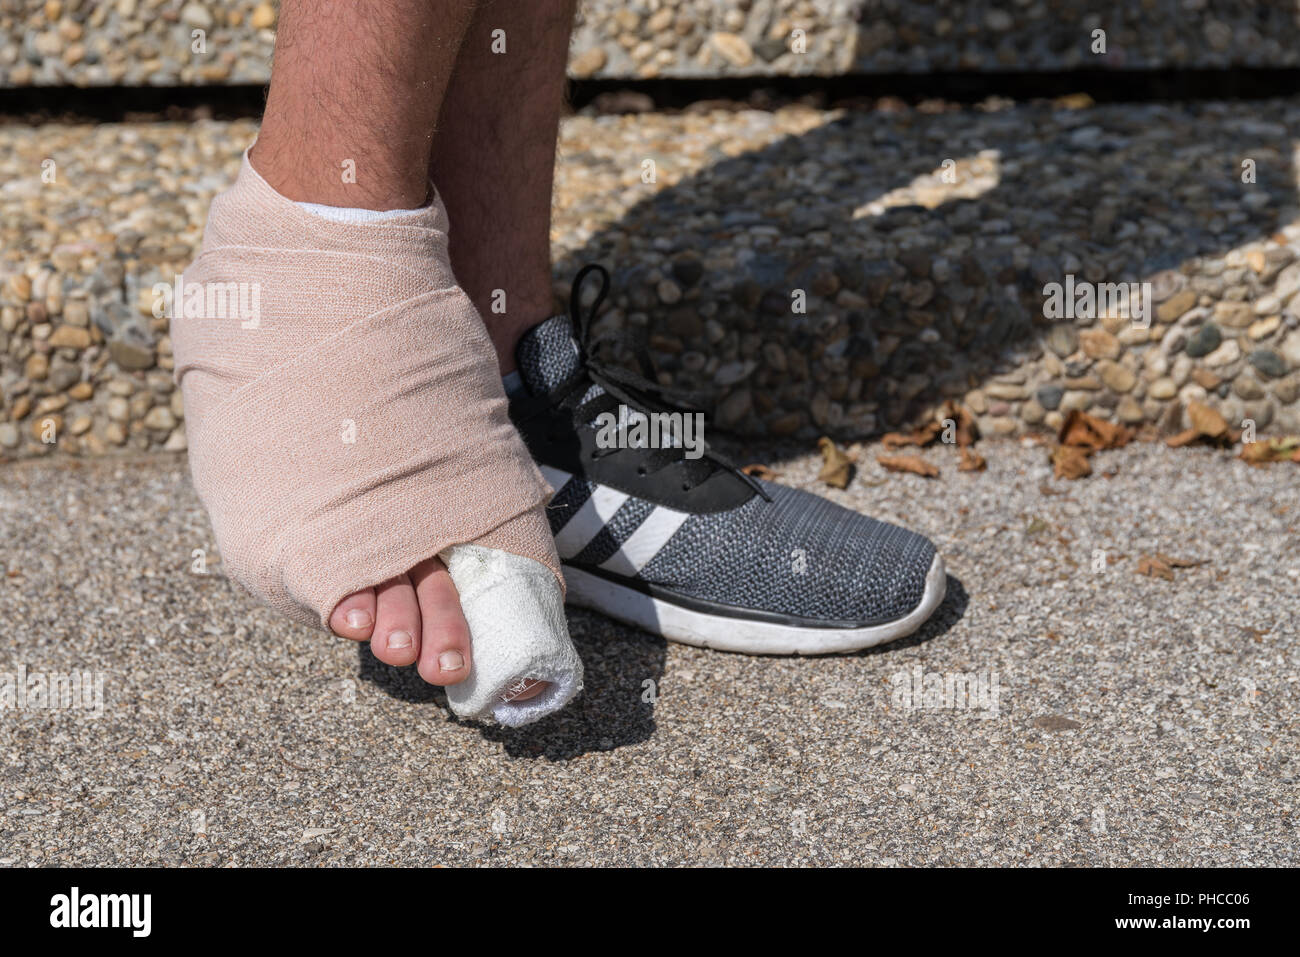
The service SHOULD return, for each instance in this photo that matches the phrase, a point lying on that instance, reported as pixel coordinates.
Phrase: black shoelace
(622, 387)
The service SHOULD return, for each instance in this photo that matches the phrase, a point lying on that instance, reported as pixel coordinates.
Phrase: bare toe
(354, 616)
(396, 639)
(444, 643)
(524, 689)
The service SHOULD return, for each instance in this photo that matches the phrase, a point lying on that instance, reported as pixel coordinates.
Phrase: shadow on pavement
(624, 667)
(944, 618)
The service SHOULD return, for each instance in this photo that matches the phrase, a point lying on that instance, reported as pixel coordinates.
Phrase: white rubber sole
(722, 633)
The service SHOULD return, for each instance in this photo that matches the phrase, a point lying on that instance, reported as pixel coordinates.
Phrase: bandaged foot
(346, 425)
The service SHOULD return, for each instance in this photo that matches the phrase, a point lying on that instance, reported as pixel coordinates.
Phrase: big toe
(445, 639)
(354, 616)
(396, 639)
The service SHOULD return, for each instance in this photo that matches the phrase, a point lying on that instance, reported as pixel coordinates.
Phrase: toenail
(451, 661)
(358, 618)
(398, 640)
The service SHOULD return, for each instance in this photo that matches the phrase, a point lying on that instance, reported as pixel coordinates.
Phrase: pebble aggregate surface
(803, 271)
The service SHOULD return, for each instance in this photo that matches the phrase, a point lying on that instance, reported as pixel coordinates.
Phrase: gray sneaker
(691, 548)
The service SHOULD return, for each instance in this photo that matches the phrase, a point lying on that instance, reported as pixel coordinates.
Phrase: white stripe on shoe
(644, 544)
(588, 521)
(594, 514)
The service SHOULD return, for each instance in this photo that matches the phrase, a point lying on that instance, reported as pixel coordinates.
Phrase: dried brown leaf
(908, 463)
(920, 437)
(971, 461)
(1085, 431)
(1285, 449)
(1186, 437)
(964, 419)
(837, 468)
(964, 431)
(758, 470)
(1070, 462)
(1208, 422)
(1153, 567)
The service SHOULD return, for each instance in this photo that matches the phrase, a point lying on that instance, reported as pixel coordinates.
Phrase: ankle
(506, 329)
(361, 183)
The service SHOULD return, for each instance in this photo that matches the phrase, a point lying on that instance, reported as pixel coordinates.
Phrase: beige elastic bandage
(344, 411)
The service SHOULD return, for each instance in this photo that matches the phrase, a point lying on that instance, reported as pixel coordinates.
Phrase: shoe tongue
(547, 355)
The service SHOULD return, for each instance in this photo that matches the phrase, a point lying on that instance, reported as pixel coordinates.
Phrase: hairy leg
(358, 87)
(494, 160)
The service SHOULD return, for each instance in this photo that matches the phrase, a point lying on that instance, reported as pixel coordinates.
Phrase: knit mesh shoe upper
(695, 532)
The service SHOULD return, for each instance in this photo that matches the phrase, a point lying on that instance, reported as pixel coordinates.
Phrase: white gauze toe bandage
(515, 610)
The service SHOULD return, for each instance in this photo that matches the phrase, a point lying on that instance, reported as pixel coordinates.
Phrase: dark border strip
(125, 104)
(1103, 86)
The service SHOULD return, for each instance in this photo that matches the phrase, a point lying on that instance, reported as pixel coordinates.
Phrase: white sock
(343, 214)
